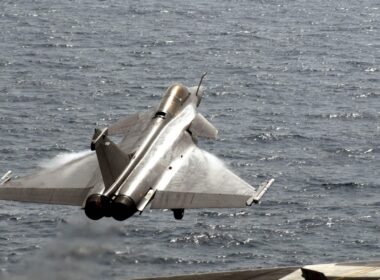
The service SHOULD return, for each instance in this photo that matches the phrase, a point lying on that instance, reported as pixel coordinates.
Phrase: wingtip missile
(260, 192)
(6, 177)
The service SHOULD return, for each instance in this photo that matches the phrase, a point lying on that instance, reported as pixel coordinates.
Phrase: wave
(344, 116)
(348, 185)
(272, 137)
(368, 95)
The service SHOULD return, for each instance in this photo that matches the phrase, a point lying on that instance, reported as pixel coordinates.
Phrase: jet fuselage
(156, 150)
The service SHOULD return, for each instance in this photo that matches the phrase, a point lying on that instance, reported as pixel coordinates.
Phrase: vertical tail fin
(112, 160)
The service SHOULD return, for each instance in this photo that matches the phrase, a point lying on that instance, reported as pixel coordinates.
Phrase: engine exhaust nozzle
(97, 206)
(122, 207)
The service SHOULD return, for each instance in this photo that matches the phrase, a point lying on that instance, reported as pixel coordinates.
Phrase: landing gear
(178, 213)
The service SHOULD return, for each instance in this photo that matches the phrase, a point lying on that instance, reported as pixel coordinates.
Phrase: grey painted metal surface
(257, 274)
(333, 271)
(157, 162)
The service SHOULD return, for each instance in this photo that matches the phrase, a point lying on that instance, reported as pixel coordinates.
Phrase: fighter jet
(157, 162)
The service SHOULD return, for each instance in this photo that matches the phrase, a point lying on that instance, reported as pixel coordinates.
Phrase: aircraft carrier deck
(333, 271)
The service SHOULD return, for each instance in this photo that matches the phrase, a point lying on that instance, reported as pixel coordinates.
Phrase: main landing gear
(178, 213)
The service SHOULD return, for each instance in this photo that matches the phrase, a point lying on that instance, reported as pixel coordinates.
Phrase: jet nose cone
(123, 207)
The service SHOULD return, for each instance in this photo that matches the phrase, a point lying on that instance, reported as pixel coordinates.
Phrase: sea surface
(292, 86)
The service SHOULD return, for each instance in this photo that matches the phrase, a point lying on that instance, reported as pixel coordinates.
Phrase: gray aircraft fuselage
(165, 140)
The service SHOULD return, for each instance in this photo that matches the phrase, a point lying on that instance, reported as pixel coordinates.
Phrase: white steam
(62, 159)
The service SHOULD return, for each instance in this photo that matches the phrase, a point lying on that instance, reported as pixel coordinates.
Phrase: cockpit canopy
(172, 101)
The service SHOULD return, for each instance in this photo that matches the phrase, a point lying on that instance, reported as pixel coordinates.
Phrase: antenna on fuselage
(200, 82)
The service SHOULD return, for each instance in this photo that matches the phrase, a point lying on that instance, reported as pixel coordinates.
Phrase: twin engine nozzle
(120, 208)
(107, 204)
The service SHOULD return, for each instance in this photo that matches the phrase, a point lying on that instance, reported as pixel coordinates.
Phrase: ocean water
(292, 86)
